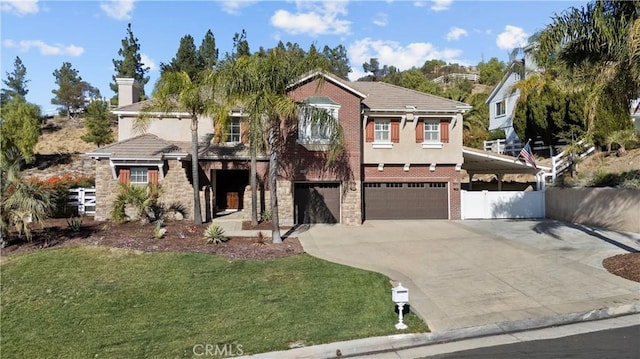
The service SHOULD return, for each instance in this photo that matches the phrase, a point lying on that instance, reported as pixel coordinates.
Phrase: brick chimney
(128, 91)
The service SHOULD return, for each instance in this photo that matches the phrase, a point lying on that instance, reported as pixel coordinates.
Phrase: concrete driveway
(502, 274)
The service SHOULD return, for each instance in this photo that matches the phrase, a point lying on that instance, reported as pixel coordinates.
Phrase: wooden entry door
(233, 200)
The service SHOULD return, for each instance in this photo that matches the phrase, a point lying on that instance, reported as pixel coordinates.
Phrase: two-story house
(502, 100)
(402, 156)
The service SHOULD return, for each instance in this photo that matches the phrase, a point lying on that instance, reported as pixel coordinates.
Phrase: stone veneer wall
(352, 203)
(175, 185)
(106, 190)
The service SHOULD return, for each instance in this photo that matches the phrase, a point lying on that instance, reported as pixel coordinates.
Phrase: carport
(500, 204)
(485, 162)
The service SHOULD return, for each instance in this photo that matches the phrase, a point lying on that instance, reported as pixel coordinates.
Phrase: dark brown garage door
(406, 200)
(316, 202)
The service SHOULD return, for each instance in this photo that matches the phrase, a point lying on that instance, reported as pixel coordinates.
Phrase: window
(139, 175)
(233, 133)
(382, 131)
(501, 108)
(431, 131)
(314, 124)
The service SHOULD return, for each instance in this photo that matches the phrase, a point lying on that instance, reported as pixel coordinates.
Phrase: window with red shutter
(123, 176)
(420, 132)
(444, 131)
(369, 131)
(395, 131)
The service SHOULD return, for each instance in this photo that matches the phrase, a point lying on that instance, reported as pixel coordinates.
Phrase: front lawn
(95, 302)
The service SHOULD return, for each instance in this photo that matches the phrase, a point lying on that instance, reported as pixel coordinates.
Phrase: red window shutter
(420, 132)
(124, 176)
(153, 176)
(369, 132)
(243, 129)
(444, 131)
(395, 131)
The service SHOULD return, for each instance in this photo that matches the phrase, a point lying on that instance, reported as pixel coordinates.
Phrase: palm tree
(260, 81)
(600, 44)
(23, 202)
(177, 90)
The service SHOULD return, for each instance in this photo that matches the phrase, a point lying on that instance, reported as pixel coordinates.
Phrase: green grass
(89, 302)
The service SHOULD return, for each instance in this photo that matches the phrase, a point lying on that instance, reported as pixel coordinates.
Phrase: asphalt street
(620, 343)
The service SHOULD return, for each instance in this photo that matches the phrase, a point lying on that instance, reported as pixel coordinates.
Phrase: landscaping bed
(624, 265)
(181, 236)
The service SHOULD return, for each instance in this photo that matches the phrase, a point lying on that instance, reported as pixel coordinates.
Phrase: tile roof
(384, 96)
(143, 147)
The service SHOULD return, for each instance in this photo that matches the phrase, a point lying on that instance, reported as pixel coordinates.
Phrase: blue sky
(88, 34)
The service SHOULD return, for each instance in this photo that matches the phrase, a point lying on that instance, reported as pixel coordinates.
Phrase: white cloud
(313, 18)
(440, 5)
(233, 7)
(393, 53)
(147, 62)
(45, 49)
(20, 7)
(381, 19)
(455, 33)
(419, 4)
(118, 9)
(512, 37)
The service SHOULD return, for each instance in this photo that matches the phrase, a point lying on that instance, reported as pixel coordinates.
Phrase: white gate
(502, 204)
(84, 199)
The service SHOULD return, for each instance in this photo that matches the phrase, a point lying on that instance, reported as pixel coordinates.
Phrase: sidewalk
(479, 278)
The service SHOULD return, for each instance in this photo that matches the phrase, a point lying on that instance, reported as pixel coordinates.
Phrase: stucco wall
(170, 128)
(408, 151)
(612, 208)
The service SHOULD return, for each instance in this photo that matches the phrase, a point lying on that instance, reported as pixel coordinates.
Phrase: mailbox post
(400, 296)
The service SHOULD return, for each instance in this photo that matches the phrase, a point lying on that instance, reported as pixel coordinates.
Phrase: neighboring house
(402, 159)
(502, 101)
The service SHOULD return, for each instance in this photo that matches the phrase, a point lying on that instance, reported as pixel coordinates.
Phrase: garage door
(316, 202)
(406, 200)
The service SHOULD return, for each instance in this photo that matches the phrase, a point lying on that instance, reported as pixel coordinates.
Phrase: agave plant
(215, 234)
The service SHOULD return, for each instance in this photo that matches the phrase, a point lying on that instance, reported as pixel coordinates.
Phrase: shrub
(215, 234)
(265, 216)
(74, 224)
(142, 198)
(158, 230)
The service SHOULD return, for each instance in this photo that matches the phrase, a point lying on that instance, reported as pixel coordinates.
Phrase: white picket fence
(84, 199)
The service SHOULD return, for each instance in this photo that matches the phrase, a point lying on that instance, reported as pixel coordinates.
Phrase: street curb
(389, 343)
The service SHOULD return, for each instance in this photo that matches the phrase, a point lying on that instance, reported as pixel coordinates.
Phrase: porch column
(499, 176)
(470, 180)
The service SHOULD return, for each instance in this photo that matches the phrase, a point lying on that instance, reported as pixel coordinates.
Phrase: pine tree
(338, 60)
(98, 124)
(130, 65)
(16, 82)
(207, 52)
(71, 89)
(186, 59)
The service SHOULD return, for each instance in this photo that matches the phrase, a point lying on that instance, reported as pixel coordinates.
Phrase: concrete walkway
(499, 275)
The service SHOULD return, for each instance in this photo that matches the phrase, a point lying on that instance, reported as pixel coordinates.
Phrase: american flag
(527, 155)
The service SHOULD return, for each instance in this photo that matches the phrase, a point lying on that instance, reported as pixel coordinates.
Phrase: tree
(476, 121)
(177, 90)
(98, 124)
(600, 45)
(431, 68)
(208, 52)
(186, 59)
(338, 61)
(261, 82)
(23, 202)
(491, 72)
(130, 65)
(240, 45)
(373, 66)
(16, 82)
(71, 89)
(20, 127)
